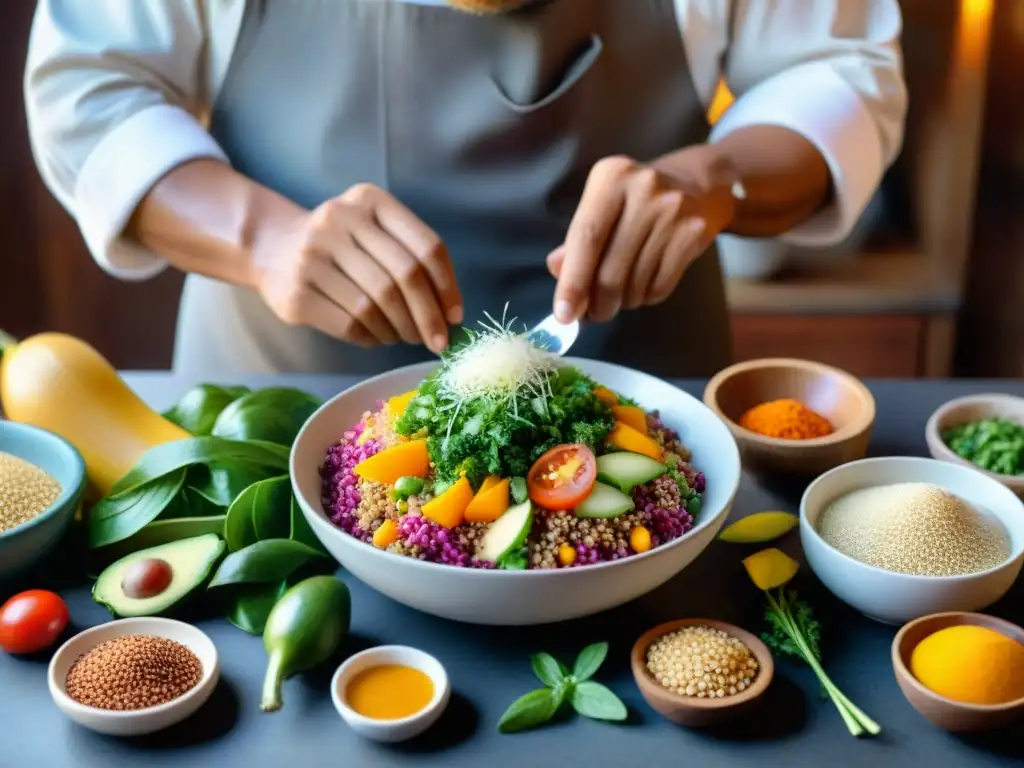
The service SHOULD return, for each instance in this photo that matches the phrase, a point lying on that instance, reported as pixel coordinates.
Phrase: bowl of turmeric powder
(793, 416)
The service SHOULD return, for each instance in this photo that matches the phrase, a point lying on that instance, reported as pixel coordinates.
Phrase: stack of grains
(26, 491)
(340, 483)
(133, 672)
(702, 662)
(914, 528)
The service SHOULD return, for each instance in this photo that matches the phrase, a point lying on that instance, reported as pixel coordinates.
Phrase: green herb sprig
(587, 697)
(794, 631)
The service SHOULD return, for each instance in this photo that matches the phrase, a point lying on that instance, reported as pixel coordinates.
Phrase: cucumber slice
(506, 533)
(627, 470)
(604, 501)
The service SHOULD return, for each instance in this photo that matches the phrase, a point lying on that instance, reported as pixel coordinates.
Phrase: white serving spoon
(554, 336)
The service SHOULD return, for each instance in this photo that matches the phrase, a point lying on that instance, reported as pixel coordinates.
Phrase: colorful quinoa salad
(506, 457)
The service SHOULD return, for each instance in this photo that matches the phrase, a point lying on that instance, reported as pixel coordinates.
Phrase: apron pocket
(577, 69)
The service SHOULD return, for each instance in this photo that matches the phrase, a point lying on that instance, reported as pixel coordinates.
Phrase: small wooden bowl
(835, 394)
(946, 713)
(688, 710)
(973, 408)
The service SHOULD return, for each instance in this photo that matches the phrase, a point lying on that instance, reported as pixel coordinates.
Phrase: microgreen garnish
(587, 698)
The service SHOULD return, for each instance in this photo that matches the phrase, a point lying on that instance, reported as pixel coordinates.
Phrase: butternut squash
(633, 415)
(409, 459)
(490, 501)
(61, 384)
(606, 396)
(449, 508)
(398, 404)
(625, 438)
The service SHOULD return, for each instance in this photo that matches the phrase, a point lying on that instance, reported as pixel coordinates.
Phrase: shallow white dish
(509, 598)
(896, 598)
(391, 731)
(140, 721)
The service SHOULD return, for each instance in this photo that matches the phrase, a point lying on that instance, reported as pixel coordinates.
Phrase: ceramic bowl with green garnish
(984, 432)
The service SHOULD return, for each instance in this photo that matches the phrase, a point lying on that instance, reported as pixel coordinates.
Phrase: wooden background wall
(48, 281)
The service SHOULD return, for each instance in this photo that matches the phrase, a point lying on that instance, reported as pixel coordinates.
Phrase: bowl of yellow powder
(901, 537)
(42, 481)
(964, 672)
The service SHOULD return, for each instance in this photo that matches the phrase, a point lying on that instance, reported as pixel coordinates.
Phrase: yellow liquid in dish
(389, 692)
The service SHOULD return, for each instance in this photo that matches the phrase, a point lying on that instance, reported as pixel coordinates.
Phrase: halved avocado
(152, 581)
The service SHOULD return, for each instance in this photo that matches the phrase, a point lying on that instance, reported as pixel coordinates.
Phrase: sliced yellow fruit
(770, 568)
(760, 528)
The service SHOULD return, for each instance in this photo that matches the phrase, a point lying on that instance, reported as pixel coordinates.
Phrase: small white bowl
(139, 721)
(391, 731)
(896, 598)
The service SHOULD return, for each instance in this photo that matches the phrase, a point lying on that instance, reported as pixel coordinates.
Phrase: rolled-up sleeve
(830, 70)
(111, 90)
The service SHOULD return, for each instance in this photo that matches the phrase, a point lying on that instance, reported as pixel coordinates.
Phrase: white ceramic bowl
(140, 721)
(510, 598)
(896, 598)
(391, 731)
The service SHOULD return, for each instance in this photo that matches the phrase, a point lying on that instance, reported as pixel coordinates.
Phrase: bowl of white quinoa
(902, 537)
(42, 481)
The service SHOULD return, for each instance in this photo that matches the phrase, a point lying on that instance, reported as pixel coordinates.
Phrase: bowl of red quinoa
(438, 568)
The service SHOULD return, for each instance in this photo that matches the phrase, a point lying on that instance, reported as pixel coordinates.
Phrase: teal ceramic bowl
(24, 546)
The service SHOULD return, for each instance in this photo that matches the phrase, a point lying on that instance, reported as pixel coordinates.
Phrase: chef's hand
(362, 268)
(637, 229)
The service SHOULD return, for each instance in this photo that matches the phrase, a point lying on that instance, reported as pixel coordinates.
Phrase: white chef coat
(118, 92)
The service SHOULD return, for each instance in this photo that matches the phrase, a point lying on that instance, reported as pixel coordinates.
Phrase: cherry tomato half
(562, 477)
(31, 621)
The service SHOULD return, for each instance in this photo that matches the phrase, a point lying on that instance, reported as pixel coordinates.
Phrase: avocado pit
(146, 578)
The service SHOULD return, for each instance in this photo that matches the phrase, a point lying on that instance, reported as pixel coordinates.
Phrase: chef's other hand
(637, 229)
(362, 268)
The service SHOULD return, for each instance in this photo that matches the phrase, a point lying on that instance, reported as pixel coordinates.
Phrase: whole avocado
(304, 629)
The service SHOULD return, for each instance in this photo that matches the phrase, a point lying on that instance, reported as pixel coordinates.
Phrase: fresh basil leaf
(547, 669)
(529, 711)
(516, 560)
(595, 701)
(179, 454)
(271, 509)
(162, 532)
(275, 415)
(249, 608)
(518, 489)
(239, 527)
(115, 518)
(589, 661)
(198, 505)
(197, 411)
(269, 560)
(300, 529)
(221, 484)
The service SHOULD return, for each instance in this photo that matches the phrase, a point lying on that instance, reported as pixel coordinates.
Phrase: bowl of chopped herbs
(985, 432)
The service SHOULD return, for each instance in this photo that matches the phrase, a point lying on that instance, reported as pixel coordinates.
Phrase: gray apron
(486, 128)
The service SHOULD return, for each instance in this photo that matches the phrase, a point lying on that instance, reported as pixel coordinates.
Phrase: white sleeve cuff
(814, 101)
(120, 171)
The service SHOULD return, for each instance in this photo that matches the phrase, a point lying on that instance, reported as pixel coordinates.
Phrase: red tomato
(31, 621)
(562, 477)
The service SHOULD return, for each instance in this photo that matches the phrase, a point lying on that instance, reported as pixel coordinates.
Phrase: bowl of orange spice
(793, 416)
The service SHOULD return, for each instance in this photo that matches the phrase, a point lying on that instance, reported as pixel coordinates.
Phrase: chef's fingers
(337, 287)
(555, 261)
(377, 283)
(412, 279)
(323, 314)
(639, 215)
(669, 207)
(426, 247)
(591, 227)
(686, 245)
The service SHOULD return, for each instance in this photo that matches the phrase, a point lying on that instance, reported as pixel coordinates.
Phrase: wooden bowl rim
(865, 417)
(945, 453)
(651, 688)
(973, 619)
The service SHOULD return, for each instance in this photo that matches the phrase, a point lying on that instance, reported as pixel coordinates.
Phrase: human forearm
(206, 218)
(784, 176)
